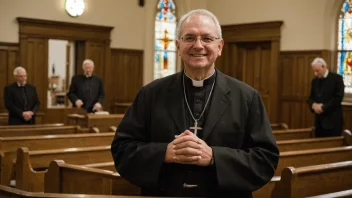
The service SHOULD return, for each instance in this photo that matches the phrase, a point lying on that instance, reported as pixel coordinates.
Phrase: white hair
(87, 61)
(319, 61)
(198, 12)
(18, 69)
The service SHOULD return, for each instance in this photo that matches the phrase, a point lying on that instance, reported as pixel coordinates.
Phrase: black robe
(237, 128)
(16, 104)
(330, 92)
(89, 90)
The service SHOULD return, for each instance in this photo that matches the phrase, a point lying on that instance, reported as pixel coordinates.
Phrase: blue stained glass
(345, 7)
(344, 41)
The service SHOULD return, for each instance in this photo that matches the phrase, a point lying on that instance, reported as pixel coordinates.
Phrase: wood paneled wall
(9, 59)
(127, 72)
(251, 54)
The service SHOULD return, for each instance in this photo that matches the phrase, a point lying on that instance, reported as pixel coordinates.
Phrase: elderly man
(21, 99)
(325, 99)
(86, 90)
(197, 132)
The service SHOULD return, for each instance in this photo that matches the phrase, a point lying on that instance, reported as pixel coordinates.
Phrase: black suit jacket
(236, 127)
(78, 90)
(330, 92)
(14, 103)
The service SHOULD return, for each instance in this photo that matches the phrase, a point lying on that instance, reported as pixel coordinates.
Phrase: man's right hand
(79, 103)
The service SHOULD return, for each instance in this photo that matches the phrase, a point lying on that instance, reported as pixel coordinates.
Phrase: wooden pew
(68, 178)
(340, 194)
(313, 157)
(314, 180)
(9, 145)
(16, 193)
(102, 122)
(30, 164)
(290, 134)
(315, 143)
(279, 126)
(31, 126)
(265, 191)
(44, 142)
(44, 131)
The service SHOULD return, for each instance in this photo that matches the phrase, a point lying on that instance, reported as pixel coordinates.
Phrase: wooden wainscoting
(9, 59)
(127, 72)
(251, 54)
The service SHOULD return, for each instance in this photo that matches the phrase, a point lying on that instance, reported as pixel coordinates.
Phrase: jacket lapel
(219, 104)
(175, 102)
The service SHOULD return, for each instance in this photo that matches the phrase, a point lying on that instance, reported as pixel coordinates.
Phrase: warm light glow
(74, 7)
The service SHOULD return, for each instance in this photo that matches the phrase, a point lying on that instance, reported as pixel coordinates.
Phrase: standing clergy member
(21, 99)
(197, 132)
(325, 99)
(86, 90)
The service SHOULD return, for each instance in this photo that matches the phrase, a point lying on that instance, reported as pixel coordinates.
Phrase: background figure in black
(86, 90)
(325, 100)
(21, 99)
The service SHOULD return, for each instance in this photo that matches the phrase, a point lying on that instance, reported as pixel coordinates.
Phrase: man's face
(199, 55)
(319, 71)
(21, 77)
(88, 69)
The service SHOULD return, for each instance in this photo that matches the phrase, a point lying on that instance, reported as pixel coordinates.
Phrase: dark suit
(16, 104)
(329, 92)
(89, 90)
(236, 127)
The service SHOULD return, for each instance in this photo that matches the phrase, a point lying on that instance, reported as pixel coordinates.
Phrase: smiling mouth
(198, 55)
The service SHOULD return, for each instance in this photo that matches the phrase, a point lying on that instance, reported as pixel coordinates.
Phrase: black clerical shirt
(197, 98)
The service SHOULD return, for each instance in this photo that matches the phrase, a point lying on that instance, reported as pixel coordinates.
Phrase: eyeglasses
(205, 40)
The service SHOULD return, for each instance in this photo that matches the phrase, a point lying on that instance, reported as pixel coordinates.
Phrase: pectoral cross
(196, 128)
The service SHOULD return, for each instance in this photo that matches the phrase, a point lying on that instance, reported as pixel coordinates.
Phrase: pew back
(43, 131)
(314, 180)
(68, 178)
(291, 134)
(313, 157)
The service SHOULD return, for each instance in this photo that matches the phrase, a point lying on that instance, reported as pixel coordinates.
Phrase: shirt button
(198, 101)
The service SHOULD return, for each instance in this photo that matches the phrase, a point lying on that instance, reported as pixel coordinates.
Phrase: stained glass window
(344, 42)
(165, 39)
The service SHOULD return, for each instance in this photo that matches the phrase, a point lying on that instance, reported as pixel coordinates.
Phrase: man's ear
(178, 47)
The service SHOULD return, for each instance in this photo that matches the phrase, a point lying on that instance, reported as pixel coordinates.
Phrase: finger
(188, 144)
(188, 151)
(186, 138)
(186, 159)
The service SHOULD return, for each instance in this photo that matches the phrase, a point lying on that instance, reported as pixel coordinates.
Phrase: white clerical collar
(19, 84)
(199, 83)
(326, 73)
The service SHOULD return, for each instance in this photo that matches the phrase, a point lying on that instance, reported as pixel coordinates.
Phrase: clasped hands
(318, 108)
(97, 106)
(27, 115)
(187, 148)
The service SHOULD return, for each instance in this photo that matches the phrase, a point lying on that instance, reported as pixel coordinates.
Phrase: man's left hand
(97, 107)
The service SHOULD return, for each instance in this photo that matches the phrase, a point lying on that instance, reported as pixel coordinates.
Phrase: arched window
(165, 39)
(344, 43)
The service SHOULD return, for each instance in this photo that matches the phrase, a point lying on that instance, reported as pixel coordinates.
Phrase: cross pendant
(196, 128)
